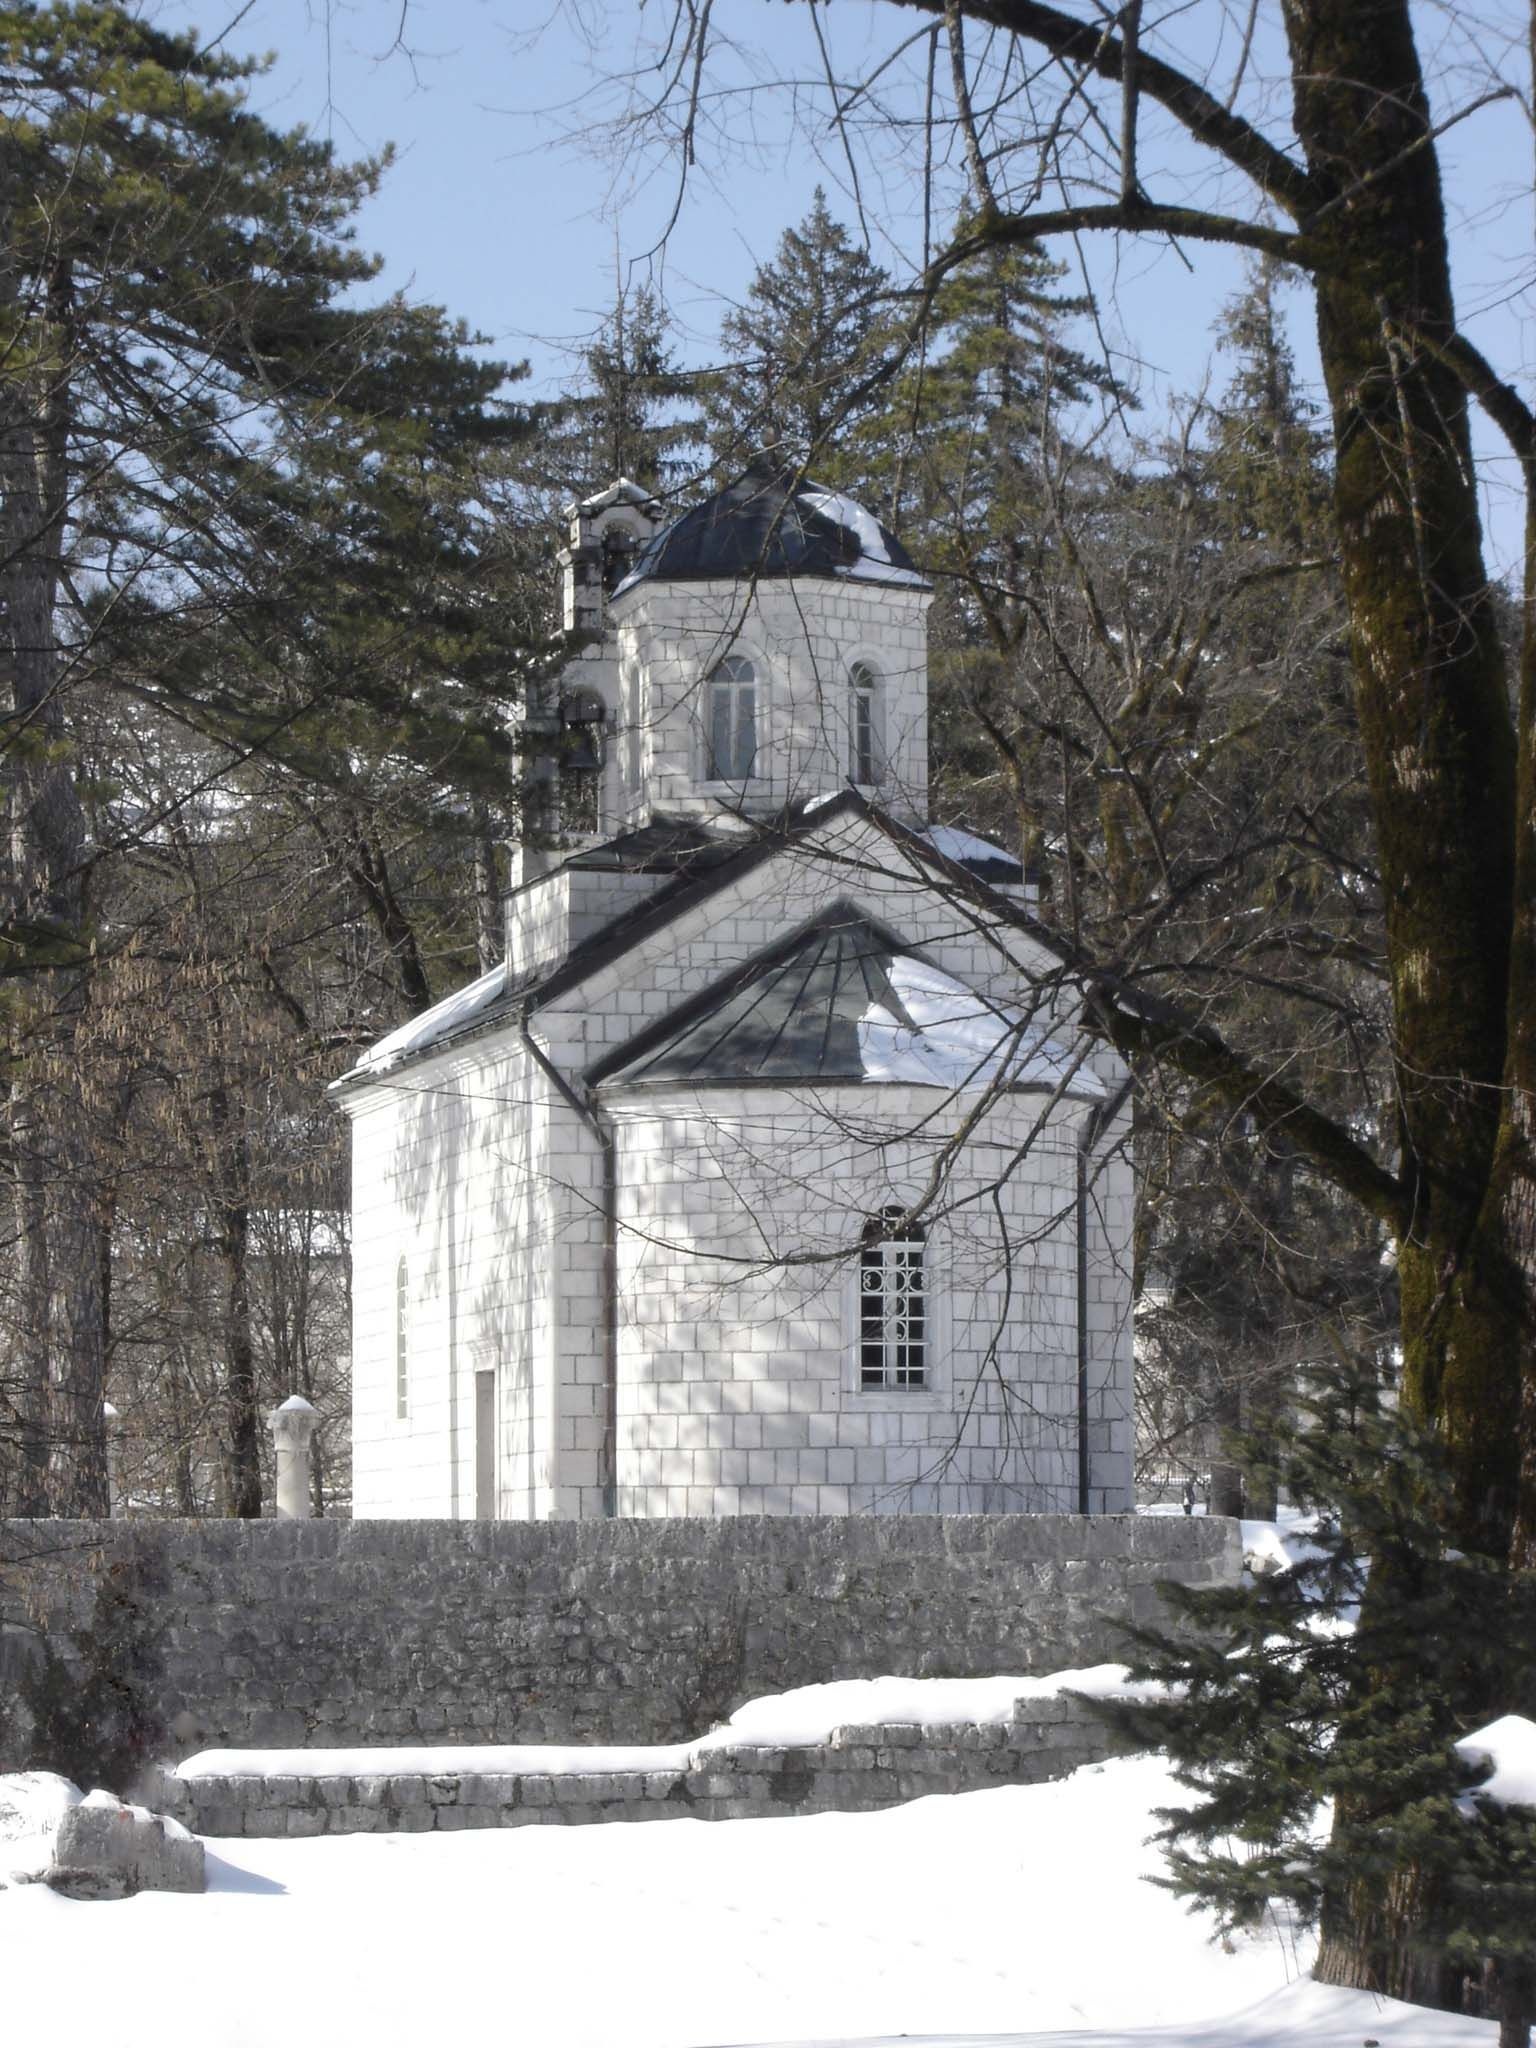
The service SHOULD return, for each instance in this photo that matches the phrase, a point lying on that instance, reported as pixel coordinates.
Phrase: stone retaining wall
(341, 1634)
(858, 1771)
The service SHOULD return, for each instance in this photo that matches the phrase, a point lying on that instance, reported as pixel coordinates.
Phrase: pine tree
(1279, 1698)
(966, 464)
(803, 354)
(634, 417)
(179, 340)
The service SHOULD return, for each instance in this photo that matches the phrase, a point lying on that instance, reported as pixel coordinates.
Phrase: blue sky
(511, 204)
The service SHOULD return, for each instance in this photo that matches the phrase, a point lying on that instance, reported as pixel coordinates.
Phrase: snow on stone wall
(337, 1634)
(860, 1769)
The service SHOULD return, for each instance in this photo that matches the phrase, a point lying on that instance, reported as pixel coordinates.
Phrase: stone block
(106, 1849)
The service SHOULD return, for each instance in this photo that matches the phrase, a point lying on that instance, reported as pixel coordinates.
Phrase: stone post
(293, 1425)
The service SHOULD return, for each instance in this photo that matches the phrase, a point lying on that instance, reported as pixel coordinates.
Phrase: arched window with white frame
(730, 715)
(866, 765)
(893, 1305)
(402, 1341)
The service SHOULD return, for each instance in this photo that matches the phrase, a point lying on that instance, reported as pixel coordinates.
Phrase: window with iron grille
(893, 1310)
(731, 713)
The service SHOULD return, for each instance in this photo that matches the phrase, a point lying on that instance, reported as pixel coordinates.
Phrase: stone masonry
(860, 1770)
(336, 1634)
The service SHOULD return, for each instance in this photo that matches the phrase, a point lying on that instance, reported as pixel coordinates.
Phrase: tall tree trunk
(1434, 718)
(47, 912)
(487, 891)
(34, 1311)
(241, 1445)
(1433, 710)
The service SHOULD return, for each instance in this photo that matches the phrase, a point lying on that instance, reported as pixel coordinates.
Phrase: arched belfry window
(865, 746)
(730, 712)
(893, 1308)
(581, 761)
(402, 1340)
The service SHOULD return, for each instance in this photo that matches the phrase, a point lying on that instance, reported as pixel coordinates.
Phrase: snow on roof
(967, 850)
(845, 1000)
(875, 562)
(1509, 1745)
(624, 490)
(942, 1034)
(452, 1015)
(770, 523)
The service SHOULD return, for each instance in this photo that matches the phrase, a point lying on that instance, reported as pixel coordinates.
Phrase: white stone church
(771, 1174)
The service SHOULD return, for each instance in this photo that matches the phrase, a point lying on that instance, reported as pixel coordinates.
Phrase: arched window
(402, 1340)
(893, 1312)
(731, 721)
(865, 748)
(582, 718)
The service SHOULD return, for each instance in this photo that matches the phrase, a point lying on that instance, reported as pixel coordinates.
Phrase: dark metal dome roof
(845, 999)
(773, 523)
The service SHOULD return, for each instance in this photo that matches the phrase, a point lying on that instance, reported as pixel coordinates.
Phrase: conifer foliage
(1296, 1688)
(244, 520)
(805, 351)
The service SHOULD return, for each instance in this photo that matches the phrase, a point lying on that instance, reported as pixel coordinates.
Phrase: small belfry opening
(583, 724)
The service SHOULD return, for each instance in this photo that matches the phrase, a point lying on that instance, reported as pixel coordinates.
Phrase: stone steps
(860, 1769)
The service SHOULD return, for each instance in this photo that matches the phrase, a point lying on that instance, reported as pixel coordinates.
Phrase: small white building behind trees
(772, 1172)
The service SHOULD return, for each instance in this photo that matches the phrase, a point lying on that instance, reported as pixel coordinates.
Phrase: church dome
(771, 522)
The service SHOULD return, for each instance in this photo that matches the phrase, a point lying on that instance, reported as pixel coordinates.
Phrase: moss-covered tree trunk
(1433, 706)
(1432, 700)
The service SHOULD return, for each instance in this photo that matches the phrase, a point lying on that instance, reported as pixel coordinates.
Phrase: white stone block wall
(802, 637)
(735, 1396)
(451, 1172)
(738, 1259)
(1111, 1200)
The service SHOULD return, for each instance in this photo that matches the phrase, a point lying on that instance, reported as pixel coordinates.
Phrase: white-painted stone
(293, 1426)
(738, 1211)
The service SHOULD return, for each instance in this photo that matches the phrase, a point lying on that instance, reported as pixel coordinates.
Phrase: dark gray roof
(696, 863)
(772, 522)
(667, 846)
(791, 1014)
(844, 999)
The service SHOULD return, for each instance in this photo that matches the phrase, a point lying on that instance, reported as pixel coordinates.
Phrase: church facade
(771, 1173)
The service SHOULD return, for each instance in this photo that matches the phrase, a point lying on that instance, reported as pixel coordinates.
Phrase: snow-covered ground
(1017, 1916)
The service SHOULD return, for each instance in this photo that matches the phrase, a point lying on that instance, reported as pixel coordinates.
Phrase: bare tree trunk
(34, 1298)
(488, 928)
(48, 913)
(241, 1433)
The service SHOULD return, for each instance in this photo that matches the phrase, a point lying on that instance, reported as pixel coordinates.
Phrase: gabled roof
(697, 864)
(845, 999)
(770, 523)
